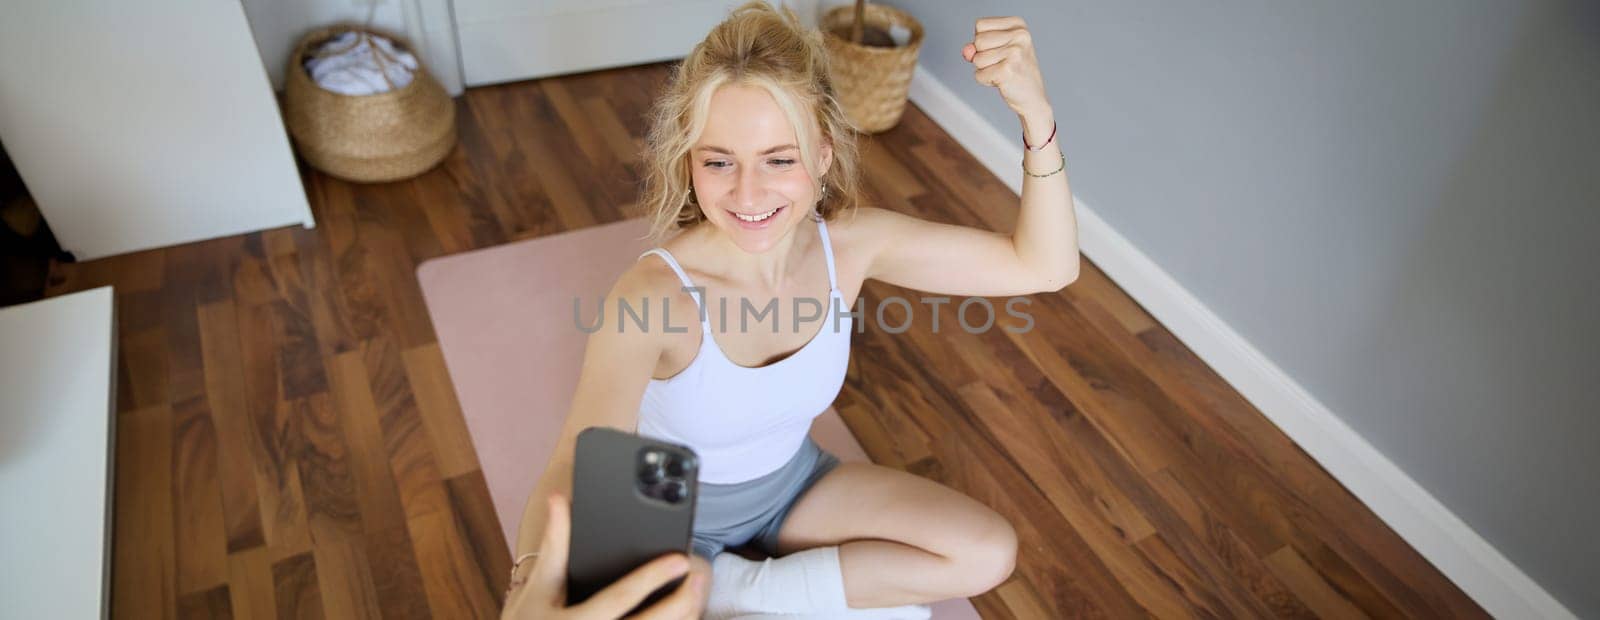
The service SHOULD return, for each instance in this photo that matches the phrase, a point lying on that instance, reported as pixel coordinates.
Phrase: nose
(747, 193)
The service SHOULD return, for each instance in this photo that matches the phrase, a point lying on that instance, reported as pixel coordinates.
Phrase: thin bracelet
(513, 582)
(1046, 140)
(1058, 169)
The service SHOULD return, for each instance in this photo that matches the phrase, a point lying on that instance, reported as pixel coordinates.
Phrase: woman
(751, 162)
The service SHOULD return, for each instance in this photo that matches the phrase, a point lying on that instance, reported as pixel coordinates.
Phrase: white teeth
(756, 218)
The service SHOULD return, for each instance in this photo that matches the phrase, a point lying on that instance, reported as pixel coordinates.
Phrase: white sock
(805, 584)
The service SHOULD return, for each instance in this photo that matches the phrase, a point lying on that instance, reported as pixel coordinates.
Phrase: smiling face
(747, 172)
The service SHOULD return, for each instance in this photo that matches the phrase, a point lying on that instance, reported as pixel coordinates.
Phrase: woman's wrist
(1037, 127)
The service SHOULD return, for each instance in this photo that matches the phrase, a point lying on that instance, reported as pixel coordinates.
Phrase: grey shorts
(730, 515)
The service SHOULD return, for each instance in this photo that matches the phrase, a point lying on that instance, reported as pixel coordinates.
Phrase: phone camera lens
(672, 491)
(651, 474)
(675, 468)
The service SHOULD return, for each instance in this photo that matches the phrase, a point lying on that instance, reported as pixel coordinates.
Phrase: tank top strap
(698, 294)
(827, 253)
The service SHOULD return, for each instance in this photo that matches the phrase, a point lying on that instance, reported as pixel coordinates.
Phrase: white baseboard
(1431, 528)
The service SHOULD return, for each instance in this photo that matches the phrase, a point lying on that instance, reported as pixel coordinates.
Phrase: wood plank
(1056, 463)
(199, 533)
(144, 583)
(1113, 394)
(387, 544)
(142, 360)
(463, 170)
(410, 454)
(295, 587)
(334, 514)
(1321, 597)
(480, 526)
(440, 412)
(884, 169)
(876, 441)
(225, 392)
(577, 123)
(180, 321)
(516, 195)
(395, 273)
(251, 590)
(344, 574)
(206, 604)
(457, 587)
(1093, 286)
(1241, 563)
(625, 148)
(1055, 559)
(1088, 516)
(1199, 596)
(272, 430)
(1020, 599)
(572, 206)
(329, 325)
(448, 208)
(279, 241)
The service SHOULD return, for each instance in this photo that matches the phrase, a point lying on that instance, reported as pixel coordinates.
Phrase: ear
(825, 154)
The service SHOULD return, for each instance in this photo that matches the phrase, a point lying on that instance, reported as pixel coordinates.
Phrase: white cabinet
(143, 124)
(56, 412)
(505, 40)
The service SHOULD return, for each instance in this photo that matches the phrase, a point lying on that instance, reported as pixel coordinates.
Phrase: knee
(990, 557)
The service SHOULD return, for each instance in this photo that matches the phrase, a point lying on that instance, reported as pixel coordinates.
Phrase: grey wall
(1396, 202)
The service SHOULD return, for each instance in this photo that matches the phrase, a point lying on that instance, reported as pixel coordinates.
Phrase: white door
(506, 40)
(143, 124)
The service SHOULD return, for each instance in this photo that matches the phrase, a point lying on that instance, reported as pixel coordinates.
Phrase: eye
(715, 164)
(781, 162)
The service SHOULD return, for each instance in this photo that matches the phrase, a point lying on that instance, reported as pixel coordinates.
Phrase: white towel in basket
(356, 63)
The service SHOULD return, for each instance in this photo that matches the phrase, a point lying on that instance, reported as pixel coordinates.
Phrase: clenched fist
(1001, 53)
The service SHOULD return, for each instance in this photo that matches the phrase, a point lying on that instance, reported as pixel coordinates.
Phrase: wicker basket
(871, 82)
(367, 138)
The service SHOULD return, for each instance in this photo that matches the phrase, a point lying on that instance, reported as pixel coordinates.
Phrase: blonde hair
(757, 45)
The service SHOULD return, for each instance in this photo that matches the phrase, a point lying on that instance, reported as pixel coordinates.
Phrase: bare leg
(875, 574)
(902, 539)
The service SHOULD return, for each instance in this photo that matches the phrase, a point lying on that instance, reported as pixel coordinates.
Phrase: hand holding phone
(633, 499)
(544, 593)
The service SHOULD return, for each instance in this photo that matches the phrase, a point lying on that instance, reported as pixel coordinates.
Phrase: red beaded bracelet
(1046, 140)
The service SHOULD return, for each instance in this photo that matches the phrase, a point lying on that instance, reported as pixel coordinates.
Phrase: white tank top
(747, 422)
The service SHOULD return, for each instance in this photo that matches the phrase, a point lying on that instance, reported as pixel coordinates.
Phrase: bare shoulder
(619, 358)
(860, 235)
(650, 280)
(864, 227)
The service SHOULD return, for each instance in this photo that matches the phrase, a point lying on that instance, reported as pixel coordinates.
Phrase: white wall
(140, 125)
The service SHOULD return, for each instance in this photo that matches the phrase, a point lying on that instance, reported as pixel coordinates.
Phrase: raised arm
(1042, 253)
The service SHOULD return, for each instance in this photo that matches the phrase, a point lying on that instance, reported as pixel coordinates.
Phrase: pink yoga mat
(504, 320)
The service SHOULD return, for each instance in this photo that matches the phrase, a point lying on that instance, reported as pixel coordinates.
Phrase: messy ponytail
(760, 46)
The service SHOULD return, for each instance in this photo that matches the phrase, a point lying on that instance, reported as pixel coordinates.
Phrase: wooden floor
(289, 444)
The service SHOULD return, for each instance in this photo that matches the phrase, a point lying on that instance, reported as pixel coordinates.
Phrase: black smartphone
(633, 500)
